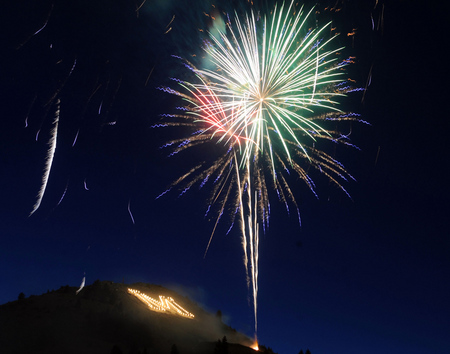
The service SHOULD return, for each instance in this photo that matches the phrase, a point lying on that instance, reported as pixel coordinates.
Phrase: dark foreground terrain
(104, 318)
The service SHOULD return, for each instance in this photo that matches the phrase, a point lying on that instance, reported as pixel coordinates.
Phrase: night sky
(363, 275)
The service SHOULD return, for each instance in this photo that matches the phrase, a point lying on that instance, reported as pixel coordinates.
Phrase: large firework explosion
(271, 99)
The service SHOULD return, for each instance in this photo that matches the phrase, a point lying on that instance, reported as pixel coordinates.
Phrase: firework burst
(269, 99)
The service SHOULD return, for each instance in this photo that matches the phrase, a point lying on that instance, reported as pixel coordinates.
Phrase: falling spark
(38, 30)
(64, 194)
(76, 137)
(378, 154)
(173, 18)
(29, 110)
(85, 185)
(129, 212)
(81, 286)
(148, 77)
(49, 161)
(139, 7)
(45, 23)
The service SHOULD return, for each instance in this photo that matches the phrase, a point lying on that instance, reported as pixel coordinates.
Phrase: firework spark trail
(64, 194)
(129, 211)
(265, 104)
(83, 281)
(38, 30)
(49, 161)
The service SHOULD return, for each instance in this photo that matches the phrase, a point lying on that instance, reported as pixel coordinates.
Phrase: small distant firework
(272, 102)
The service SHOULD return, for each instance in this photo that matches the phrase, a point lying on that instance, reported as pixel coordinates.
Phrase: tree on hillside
(65, 289)
(174, 349)
(134, 349)
(221, 346)
(116, 350)
(307, 351)
(21, 296)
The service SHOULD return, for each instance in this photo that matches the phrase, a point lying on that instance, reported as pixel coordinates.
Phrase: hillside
(106, 318)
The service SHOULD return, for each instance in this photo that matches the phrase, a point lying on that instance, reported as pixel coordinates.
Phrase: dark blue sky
(366, 275)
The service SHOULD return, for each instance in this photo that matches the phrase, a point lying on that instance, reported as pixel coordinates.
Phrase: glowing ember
(255, 345)
(165, 304)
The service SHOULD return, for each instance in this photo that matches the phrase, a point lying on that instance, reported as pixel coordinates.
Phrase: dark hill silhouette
(104, 318)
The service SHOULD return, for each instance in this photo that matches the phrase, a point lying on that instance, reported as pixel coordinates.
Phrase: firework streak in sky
(269, 103)
(49, 160)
